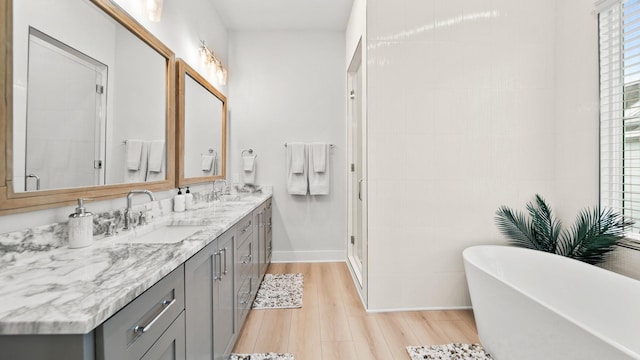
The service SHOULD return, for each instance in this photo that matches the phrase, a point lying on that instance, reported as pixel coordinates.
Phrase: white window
(619, 34)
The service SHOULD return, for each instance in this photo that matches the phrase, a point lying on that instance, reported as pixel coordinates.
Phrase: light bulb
(154, 9)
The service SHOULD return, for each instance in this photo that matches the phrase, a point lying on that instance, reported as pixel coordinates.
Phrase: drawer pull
(166, 304)
(246, 228)
(247, 259)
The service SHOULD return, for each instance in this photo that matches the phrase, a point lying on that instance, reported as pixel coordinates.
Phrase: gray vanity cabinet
(209, 300)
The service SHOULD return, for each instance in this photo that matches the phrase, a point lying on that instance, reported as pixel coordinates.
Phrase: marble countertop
(58, 290)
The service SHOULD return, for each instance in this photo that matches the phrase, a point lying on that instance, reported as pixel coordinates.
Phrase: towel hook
(250, 151)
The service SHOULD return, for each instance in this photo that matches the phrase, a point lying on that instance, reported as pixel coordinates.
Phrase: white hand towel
(140, 175)
(296, 180)
(133, 152)
(248, 162)
(156, 155)
(319, 182)
(298, 156)
(319, 152)
(207, 163)
(249, 169)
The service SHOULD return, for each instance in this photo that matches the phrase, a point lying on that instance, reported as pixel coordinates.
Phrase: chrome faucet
(216, 193)
(127, 211)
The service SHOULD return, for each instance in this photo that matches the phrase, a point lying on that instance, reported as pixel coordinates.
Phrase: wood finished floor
(333, 325)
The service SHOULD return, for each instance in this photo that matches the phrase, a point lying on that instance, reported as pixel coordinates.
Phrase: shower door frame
(357, 171)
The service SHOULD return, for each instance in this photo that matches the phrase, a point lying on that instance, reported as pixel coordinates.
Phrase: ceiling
(284, 14)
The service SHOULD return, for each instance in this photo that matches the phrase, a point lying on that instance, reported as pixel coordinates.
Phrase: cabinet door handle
(217, 262)
(225, 261)
(166, 304)
(360, 190)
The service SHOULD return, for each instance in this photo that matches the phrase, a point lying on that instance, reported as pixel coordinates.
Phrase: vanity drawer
(244, 298)
(246, 254)
(131, 332)
(244, 229)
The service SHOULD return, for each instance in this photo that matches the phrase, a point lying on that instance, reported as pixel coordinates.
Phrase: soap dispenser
(188, 199)
(179, 202)
(80, 227)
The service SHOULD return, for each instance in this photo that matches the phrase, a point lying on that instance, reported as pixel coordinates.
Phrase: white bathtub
(531, 305)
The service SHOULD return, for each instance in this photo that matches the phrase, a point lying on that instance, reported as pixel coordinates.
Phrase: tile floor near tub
(332, 324)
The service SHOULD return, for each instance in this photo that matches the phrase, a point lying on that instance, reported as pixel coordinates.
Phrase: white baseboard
(308, 256)
(420, 309)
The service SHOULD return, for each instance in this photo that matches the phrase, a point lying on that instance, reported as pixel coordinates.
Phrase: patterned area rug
(269, 356)
(448, 352)
(279, 291)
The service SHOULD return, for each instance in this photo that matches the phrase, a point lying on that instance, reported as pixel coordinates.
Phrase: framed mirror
(202, 128)
(88, 104)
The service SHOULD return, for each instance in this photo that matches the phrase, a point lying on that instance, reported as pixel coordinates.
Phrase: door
(357, 184)
(200, 273)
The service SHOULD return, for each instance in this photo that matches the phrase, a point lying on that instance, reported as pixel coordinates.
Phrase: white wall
(290, 87)
(461, 111)
(183, 25)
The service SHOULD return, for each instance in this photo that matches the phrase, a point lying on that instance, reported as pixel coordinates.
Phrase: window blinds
(619, 40)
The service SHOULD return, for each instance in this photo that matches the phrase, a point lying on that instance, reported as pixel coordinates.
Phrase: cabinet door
(224, 304)
(171, 345)
(267, 231)
(259, 241)
(200, 272)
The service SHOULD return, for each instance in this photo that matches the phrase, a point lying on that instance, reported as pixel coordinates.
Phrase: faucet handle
(142, 218)
(111, 227)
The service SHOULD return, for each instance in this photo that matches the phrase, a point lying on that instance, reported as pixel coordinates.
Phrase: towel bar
(330, 145)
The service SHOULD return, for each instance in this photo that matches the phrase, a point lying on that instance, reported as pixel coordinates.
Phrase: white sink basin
(169, 234)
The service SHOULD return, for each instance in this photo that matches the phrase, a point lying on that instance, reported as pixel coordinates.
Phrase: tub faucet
(127, 211)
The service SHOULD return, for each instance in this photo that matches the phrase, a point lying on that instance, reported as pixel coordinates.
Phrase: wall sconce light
(153, 9)
(211, 61)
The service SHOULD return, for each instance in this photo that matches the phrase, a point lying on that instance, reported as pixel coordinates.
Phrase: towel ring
(250, 151)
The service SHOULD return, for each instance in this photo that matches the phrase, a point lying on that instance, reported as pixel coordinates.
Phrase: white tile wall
(464, 116)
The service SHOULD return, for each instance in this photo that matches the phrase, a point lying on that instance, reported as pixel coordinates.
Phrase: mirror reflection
(202, 120)
(89, 99)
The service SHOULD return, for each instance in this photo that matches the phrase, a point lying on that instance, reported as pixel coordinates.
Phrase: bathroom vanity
(128, 297)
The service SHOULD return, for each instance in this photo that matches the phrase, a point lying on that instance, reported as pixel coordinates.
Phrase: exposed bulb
(154, 9)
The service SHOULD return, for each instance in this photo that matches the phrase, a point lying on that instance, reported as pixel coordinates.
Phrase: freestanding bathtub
(531, 305)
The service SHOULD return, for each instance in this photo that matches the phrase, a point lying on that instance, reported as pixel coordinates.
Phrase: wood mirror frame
(184, 71)
(16, 202)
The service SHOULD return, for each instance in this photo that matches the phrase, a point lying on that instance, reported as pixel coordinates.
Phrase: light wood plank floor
(333, 325)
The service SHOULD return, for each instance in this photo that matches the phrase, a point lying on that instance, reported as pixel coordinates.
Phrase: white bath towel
(133, 153)
(207, 163)
(319, 181)
(156, 155)
(249, 165)
(296, 178)
(140, 175)
(297, 151)
(320, 153)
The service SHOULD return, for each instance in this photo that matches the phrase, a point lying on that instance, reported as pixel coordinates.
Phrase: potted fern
(594, 234)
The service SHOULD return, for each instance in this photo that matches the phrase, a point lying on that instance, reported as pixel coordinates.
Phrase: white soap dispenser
(179, 202)
(188, 199)
(80, 227)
